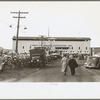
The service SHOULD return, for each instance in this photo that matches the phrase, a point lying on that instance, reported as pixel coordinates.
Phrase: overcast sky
(66, 19)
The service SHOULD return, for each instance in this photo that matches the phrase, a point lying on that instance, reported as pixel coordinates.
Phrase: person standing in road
(64, 62)
(72, 64)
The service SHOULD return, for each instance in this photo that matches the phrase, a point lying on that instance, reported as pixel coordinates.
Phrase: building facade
(95, 50)
(61, 44)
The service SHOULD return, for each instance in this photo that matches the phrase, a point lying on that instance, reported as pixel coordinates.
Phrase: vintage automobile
(48, 57)
(53, 56)
(80, 57)
(38, 57)
(36, 60)
(92, 62)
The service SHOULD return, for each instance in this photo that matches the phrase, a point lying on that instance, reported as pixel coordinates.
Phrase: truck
(37, 56)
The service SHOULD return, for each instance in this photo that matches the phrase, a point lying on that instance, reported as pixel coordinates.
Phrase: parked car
(80, 57)
(38, 56)
(36, 60)
(48, 58)
(53, 56)
(92, 62)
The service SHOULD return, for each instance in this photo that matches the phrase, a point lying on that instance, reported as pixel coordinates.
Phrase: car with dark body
(36, 60)
(92, 62)
(80, 57)
(37, 56)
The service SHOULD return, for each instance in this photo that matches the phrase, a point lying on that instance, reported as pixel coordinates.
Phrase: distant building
(62, 44)
(1, 51)
(95, 50)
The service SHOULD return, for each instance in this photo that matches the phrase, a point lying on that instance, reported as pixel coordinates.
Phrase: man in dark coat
(72, 64)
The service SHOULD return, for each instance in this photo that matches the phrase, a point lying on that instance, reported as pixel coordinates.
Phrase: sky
(64, 19)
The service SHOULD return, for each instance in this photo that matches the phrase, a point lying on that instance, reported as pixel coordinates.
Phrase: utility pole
(42, 39)
(48, 40)
(48, 33)
(18, 26)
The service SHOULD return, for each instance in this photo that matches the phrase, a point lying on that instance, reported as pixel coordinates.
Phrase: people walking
(72, 64)
(64, 62)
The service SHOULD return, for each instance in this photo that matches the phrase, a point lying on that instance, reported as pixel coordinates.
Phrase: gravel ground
(20, 73)
(14, 73)
(0, 59)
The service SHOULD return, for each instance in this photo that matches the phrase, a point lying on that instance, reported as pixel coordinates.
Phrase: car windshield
(92, 60)
(36, 56)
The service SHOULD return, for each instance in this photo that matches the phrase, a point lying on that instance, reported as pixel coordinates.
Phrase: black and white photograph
(50, 42)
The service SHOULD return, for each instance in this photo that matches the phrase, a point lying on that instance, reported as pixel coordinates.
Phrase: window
(72, 47)
(30, 47)
(61, 47)
(79, 48)
(23, 47)
(86, 48)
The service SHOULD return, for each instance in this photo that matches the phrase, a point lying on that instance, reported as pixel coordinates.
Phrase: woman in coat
(72, 64)
(64, 62)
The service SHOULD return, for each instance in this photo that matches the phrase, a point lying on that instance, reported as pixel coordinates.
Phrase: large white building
(62, 44)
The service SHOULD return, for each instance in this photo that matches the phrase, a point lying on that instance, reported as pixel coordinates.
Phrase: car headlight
(38, 60)
(85, 64)
(55, 56)
(92, 64)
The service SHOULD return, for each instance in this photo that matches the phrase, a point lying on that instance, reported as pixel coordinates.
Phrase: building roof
(54, 38)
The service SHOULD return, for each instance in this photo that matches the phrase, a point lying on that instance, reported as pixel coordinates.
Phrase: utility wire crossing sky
(64, 19)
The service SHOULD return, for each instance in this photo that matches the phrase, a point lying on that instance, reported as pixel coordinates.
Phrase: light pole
(51, 44)
(42, 39)
(18, 17)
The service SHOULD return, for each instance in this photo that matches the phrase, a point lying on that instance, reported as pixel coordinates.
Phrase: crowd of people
(14, 61)
(19, 61)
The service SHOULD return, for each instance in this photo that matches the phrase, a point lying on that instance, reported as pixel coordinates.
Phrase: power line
(8, 24)
(3, 22)
(18, 26)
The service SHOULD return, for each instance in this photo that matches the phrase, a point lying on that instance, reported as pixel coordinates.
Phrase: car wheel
(99, 67)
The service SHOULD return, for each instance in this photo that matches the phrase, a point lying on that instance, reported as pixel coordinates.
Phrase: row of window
(60, 48)
(77, 51)
(24, 47)
(66, 48)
